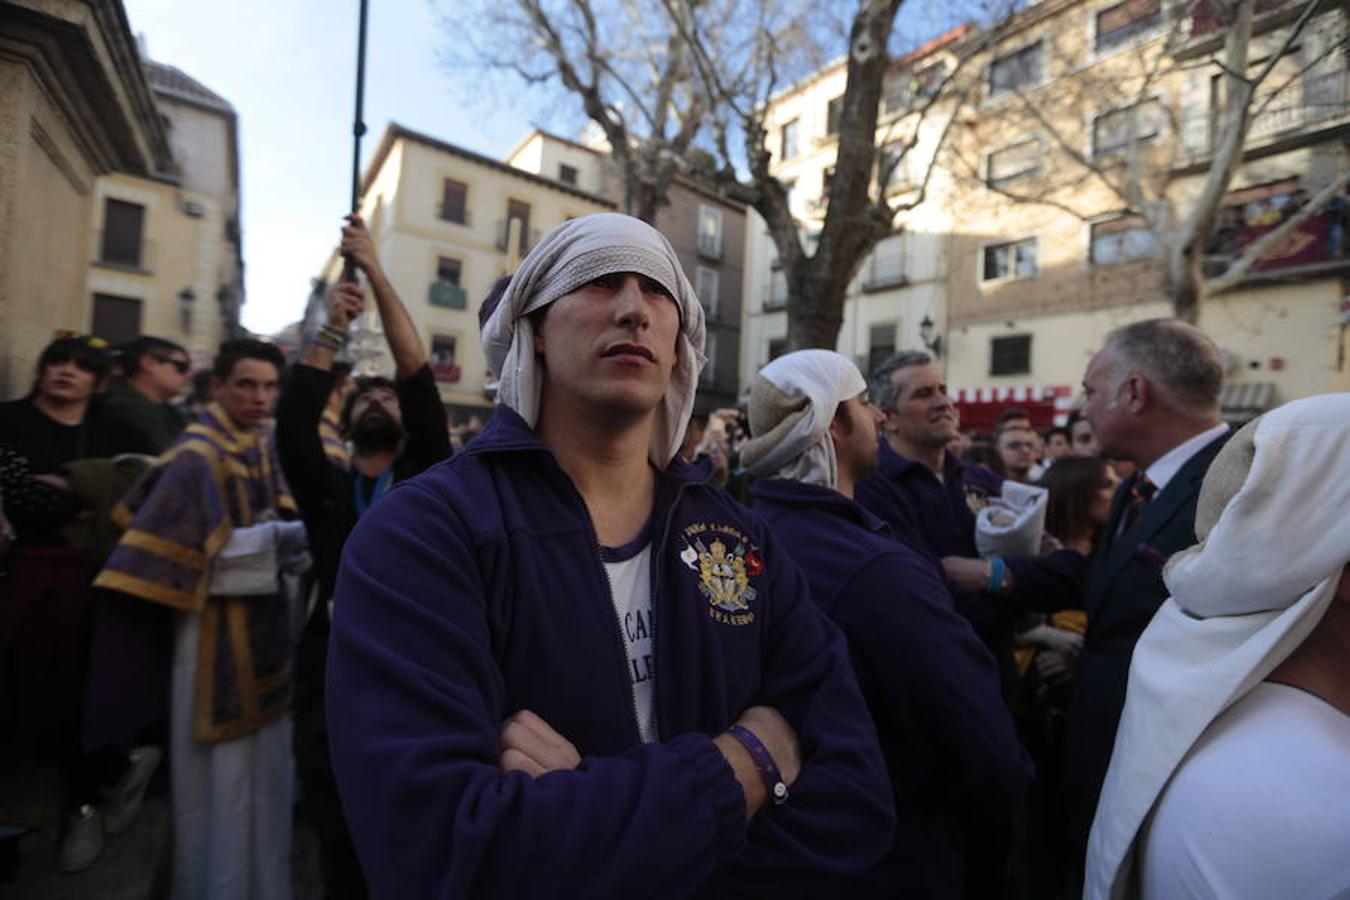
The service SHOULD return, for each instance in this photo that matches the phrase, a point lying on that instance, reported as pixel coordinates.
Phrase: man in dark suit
(1152, 397)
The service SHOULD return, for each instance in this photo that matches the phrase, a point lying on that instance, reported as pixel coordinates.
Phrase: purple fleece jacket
(956, 766)
(476, 590)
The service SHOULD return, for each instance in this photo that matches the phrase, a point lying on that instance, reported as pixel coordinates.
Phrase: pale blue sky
(288, 67)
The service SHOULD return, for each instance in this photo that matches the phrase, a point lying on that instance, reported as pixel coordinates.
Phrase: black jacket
(1125, 589)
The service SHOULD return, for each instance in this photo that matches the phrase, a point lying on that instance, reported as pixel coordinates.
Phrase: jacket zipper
(621, 644)
(660, 542)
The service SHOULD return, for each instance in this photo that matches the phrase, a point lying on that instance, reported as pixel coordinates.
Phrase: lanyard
(381, 488)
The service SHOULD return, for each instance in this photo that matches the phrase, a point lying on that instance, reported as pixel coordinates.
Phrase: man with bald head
(1152, 397)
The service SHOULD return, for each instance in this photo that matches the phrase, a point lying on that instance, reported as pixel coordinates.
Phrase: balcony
(776, 296)
(456, 214)
(447, 295)
(528, 236)
(1295, 117)
(1306, 252)
(445, 373)
(710, 246)
(116, 252)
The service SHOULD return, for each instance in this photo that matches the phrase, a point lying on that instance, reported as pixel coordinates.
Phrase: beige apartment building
(705, 228)
(898, 297)
(1020, 260)
(447, 223)
(165, 256)
(1035, 286)
(74, 106)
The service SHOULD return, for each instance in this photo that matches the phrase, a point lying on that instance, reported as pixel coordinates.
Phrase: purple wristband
(773, 780)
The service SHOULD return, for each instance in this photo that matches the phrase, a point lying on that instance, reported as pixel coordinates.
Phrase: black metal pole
(358, 128)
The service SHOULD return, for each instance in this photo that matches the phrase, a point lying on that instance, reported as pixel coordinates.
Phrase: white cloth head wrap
(1274, 541)
(792, 403)
(576, 252)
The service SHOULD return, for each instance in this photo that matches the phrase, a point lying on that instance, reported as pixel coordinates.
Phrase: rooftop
(174, 82)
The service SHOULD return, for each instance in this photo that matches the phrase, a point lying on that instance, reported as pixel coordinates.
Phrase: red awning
(981, 407)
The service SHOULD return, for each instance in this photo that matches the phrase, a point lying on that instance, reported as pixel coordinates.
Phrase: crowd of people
(604, 645)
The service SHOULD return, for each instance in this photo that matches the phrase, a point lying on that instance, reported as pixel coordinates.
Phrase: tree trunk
(1185, 280)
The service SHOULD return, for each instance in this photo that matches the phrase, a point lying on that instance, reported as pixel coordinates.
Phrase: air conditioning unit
(194, 209)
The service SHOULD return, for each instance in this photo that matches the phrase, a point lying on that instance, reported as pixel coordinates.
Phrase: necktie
(1141, 491)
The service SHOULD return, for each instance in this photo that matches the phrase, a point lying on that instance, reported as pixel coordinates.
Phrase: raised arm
(404, 344)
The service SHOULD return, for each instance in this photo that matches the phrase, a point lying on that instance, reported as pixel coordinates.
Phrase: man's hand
(358, 247)
(53, 480)
(346, 300)
(778, 737)
(971, 574)
(530, 745)
(1054, 667)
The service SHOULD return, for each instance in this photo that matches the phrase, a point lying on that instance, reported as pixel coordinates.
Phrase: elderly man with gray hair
(957, 769)
(562, 664)
(1152, 397)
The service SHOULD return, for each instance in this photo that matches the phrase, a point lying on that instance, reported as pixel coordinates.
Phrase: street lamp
(930, 340)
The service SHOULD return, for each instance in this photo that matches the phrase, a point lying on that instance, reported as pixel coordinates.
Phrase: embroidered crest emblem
(725, 561)
(976, 498)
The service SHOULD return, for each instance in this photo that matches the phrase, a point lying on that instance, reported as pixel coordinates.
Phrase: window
(899, 162)
(1121, 239)
(122, 226)
(708, 377)
(455, 201)
(448, 270)
(1015, 259)
(1010, 355)
(833, 110)
(1117, 24)
(517, 211)
(886, 265)
(777, 347)
(778, 290)
(116, 319)
(443, 365)
(826, 179)
(909, 88)
(1022, 160)
(706, 284)
(880, 344)
(709, 231)
(1111, 130)
(1018, 70)
(446, 291)
(788, 137)
(567, 174)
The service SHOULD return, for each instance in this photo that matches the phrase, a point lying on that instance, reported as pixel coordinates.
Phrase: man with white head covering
(1231, 771)
(957, 769)
(564, 666)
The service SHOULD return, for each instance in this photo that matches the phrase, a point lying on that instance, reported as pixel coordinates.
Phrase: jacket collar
(507, 432)
(893, 465)
(816, 498)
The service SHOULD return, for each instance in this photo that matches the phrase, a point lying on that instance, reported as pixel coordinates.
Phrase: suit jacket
(1125, 589)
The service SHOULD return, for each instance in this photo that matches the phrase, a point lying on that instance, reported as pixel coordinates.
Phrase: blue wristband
(996, 571)
(768, 770)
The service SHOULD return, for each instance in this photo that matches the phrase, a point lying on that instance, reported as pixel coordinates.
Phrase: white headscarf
(1271, 519)
(571, 255)
(792, 403)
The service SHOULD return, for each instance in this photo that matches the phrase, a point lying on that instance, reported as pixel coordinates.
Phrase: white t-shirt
(1259, 809)
(629, 570)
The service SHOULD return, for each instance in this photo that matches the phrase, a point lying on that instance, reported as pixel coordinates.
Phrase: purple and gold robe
(216, 477)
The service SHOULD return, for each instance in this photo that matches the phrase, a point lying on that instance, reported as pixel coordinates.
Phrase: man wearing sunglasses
(135, 414)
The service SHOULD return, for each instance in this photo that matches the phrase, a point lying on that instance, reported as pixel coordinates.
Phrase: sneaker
(83, 841)
(122, 801)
